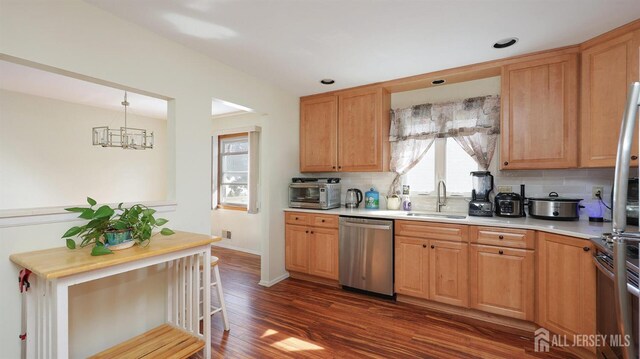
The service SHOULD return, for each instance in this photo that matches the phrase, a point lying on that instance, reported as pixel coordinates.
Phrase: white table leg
(61, 321)
(206, 304)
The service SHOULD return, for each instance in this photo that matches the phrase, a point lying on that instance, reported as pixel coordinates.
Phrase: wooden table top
(62, 262)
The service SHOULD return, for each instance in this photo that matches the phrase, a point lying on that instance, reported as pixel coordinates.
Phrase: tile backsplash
(574, 183)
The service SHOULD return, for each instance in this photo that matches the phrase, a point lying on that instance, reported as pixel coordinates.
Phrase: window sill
(231, 208)
(32, 216)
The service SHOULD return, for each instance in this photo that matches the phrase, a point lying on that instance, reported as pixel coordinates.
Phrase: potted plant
(117, 228)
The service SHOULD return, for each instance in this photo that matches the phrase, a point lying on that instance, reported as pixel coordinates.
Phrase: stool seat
(214, 261)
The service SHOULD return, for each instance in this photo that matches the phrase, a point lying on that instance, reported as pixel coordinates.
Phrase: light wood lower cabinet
(323, 253)
(411, 267)
(297, 248)
(431, 269)
(309, 249)
(566, 285)
(502, 281)
(448, 265)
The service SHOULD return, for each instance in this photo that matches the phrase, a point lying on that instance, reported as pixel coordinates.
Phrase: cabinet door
(296, 248)
(539, 114)
(362, 131)
(319, 134)
(448, 273)
(566, 285)
(323, 253)
(607, 71)
(411, 266)
(502, 281)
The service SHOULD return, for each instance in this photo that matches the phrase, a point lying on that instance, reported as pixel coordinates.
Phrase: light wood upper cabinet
(411, 267)
(319, 134)
(566, 285)
(502, 281)
(323, 253)
(363, 129)
(540, 113)
(296, 248)
(347, 131)
(448, 272)
(608, 68)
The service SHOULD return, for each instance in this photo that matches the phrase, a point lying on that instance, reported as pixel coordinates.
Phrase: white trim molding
(33, 216)
(274, 281)
(236, 248)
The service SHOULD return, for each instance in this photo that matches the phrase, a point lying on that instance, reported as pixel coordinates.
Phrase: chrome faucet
(440, 202)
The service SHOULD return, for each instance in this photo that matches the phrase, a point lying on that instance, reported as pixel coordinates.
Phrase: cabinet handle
(306, 231)
(296, 218)
(586, 249)
(311, 232)
(323, 221)
(500, 252)
(333, 167)
(500, 237)
(432, 246)
(339, 167)
(424, 246)
(506, 163)
(634, 157)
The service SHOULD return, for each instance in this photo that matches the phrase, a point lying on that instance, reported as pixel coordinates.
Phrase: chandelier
(124, 137)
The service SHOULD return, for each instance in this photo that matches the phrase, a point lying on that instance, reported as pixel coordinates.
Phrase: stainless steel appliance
(632, 202)
(509, 205)
(353, 198)
(620, 239)
(314, 193)
(555, 207)
(366, 254)
(606, 323)
(480, 204)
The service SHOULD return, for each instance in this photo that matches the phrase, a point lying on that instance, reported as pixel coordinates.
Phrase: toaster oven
(314, 195)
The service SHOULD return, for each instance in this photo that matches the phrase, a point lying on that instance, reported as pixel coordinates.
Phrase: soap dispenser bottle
(406, 200)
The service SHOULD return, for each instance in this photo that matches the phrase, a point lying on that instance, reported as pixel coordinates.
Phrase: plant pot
(117, 237)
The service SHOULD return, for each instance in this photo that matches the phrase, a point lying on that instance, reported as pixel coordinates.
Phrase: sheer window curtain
(474, 123)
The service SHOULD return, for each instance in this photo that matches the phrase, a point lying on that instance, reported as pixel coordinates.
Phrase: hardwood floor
(297, 319)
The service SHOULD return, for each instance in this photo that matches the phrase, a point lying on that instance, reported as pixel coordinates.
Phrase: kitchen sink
(435, 215)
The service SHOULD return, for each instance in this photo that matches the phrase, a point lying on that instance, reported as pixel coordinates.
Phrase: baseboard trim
(274, 281)
(311, 278)
(470, 313)
(235, 248)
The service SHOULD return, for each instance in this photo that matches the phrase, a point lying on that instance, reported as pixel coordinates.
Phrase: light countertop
(580, 229)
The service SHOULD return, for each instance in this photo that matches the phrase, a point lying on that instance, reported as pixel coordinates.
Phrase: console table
(55, 270)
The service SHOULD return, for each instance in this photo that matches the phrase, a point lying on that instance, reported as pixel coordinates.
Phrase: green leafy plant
(138, 219)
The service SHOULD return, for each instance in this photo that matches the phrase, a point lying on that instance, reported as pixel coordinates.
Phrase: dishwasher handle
(367, 226)
(598, 260)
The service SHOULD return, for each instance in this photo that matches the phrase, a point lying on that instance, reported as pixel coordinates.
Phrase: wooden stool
(217, 283)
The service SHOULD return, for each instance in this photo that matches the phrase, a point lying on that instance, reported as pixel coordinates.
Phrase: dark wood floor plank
(299, 319)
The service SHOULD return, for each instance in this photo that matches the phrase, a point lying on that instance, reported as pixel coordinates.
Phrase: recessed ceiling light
(327, 81)
(438, 82)
(505, 42)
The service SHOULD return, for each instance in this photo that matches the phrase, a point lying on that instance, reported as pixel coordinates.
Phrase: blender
(480, 205)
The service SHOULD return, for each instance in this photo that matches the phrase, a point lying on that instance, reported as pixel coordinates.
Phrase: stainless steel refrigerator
(621, 238)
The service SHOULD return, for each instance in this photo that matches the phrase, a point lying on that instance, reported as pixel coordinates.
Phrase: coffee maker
(480, 205)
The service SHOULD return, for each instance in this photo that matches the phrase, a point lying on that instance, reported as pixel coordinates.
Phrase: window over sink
(447, 161)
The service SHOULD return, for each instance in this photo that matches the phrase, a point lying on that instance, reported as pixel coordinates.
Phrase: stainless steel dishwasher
(366, 254)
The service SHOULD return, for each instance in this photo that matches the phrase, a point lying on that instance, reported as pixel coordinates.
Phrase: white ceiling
(32, 81)
(294, 44)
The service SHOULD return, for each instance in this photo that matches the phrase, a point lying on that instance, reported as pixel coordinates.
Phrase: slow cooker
(555, 207)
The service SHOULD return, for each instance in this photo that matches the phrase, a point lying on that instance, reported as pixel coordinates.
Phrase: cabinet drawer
(504, 237)
(323, 220)
(442, 231)
(300, 218)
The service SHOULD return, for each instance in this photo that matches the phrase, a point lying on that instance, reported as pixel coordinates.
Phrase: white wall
(74, 36)
(47, 158)
(246, 231)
